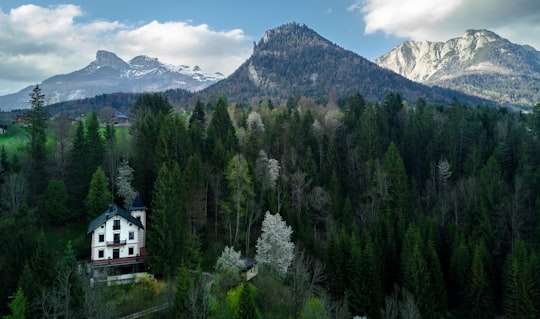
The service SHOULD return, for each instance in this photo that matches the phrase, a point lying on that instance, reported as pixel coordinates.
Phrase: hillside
(479, 63)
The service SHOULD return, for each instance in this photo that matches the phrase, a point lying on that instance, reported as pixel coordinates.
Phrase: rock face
(480, 63)
(110, 74)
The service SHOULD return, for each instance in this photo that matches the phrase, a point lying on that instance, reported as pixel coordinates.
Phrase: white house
(118, 236)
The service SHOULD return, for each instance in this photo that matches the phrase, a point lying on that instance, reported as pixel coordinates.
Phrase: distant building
(250, 269)
(119, 237)
(121, 120)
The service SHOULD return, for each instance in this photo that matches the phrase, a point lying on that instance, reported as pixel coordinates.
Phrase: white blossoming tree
(274, 246)
(230, 261)
(123, 183)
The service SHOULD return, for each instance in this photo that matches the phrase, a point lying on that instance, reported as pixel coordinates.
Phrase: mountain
(480, 63)
(293, 60)
(110, 74)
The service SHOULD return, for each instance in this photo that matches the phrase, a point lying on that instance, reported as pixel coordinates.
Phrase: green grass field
(14, 140)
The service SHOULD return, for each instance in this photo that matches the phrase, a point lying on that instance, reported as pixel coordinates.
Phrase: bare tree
(199, 298)
(61, 127)
(306, 276)
(299, 185)
(14, 192)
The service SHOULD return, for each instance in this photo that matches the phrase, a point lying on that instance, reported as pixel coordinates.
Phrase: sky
(43, 38)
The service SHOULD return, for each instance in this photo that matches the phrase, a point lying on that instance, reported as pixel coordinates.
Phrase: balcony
(116, 243)
(137, 259)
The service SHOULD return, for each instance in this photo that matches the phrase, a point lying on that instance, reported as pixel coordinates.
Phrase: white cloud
(38, 42)
(439, 20)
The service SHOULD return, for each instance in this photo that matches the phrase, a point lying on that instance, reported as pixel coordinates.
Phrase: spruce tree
(37, 126)
(519, 290)
(478, 290)
(167, 224)
(99, 196)
(247, 309)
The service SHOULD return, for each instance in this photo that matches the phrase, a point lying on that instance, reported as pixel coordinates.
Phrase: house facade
(118, 236)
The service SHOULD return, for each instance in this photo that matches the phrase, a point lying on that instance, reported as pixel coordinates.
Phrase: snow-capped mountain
(110, 74)
(480, 63)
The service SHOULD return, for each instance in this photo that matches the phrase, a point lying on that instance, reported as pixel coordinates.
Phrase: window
(131, 235)
(101, 253)
(116, 224)
(116, 238)
(130, 251)
(101, 238)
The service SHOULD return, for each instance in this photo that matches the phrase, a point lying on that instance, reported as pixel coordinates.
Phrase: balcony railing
(116, 243)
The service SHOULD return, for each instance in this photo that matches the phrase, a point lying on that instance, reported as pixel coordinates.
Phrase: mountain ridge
(110, 74)
(294, 60)
(480, 62)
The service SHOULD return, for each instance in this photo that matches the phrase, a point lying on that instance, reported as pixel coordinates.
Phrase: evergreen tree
(79, 172)
(247, 309)
(195, 191)
(183, 285)
(56, 197)
(95, 142)
(37, 126)
(519, 286)
(19, 306)
(145, 155)
(398, 186)
(478, 289)
(221, 131)
(417, 277)
(172, 144)
(167, 224)
(99, 197)
(27, 282)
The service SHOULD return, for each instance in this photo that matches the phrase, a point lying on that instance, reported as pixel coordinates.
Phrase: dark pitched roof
(111, 212)
(248, 263)
(138, 203)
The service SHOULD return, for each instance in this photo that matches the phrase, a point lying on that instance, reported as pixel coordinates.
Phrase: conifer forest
(352, 209)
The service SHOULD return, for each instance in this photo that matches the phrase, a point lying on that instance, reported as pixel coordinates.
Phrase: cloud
(439, 20)
(38, 42)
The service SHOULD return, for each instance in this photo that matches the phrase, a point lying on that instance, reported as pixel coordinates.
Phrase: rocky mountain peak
(143, 61)
(291, 34)
(480, 62)
(106, 58)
